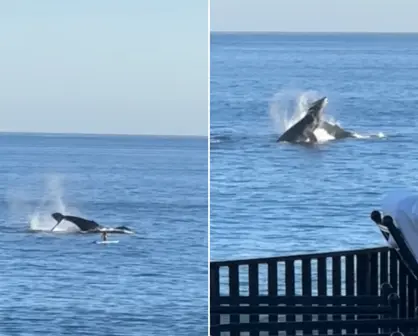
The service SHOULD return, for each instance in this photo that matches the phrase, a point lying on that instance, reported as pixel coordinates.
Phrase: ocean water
(271, 199)
(152, 283)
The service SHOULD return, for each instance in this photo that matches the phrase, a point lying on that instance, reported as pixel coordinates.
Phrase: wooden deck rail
(352, 273)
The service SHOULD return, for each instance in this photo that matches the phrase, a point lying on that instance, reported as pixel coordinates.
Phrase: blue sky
(104, 66)
(315, 15)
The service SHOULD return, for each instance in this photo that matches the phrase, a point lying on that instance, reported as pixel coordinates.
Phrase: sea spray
(52, 202)
(288, 107)
(38, 213)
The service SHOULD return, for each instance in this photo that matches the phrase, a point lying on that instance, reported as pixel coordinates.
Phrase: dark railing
(348, 273)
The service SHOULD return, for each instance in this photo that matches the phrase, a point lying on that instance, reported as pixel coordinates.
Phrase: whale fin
(336, 131)
(58, 217)
(124, 228)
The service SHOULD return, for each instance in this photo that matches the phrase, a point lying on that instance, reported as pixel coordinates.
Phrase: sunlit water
(152, 283)
(270, 198)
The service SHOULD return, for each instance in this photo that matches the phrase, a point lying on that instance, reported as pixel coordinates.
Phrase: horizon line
(103, 134)
(312, 32)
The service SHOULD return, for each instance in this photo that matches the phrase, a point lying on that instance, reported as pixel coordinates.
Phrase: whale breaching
(303, 130)
(88, 226)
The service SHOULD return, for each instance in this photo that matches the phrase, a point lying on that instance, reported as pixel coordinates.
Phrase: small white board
(107, 242)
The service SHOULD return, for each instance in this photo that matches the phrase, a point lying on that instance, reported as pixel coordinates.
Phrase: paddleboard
(107, 242)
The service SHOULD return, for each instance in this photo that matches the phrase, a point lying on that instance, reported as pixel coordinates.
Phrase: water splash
(286, 110)
(22, 208)
(322, 135)
(288, 107)
(52, 201)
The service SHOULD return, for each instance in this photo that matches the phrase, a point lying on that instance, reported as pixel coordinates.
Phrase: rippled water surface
(269, 198)
(153, 283)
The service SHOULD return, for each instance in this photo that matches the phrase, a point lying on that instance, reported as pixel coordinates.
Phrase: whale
(88, 226)
(336, 131)
(303, 130)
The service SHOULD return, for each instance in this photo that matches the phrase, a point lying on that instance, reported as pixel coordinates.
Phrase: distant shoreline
(74, 134)
(249, 32)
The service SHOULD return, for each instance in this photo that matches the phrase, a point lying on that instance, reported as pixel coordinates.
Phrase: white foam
(322, 135)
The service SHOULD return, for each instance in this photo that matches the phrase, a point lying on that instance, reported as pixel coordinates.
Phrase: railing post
(290, 285)
(306, 283)
(234, 293)
(336, 284)
(349, 283)
(253, 291)
(272, 288)
(214, 294)
(322, 285)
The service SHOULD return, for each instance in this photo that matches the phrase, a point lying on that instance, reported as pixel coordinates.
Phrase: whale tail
(58, 217)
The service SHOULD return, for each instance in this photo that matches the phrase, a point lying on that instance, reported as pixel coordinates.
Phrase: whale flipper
(123, 228)
(336, 131)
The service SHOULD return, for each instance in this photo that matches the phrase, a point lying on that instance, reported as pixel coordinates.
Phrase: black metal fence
(348, 273)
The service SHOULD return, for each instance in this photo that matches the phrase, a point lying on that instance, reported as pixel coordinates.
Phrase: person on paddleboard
(104, 236)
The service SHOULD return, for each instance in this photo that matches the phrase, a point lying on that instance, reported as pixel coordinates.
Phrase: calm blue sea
(270, 199)
(153, 283)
